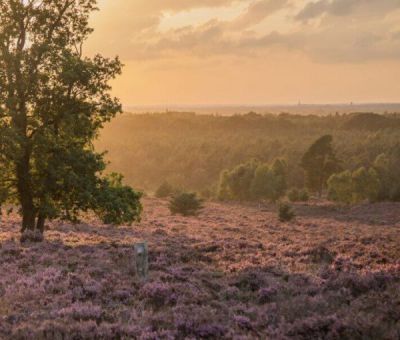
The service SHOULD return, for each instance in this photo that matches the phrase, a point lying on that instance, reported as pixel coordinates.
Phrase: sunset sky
(206, 52)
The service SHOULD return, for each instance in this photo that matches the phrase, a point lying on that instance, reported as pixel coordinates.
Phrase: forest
(191, 151)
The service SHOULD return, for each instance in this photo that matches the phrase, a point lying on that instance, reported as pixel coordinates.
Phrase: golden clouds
(202, 46)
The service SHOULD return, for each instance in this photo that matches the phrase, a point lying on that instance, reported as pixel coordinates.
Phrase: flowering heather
(233, 272)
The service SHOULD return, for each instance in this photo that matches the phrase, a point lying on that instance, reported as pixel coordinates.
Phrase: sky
(251, 52)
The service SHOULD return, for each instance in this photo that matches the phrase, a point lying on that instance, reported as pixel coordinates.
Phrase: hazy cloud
(346, 7)
(347, 30)
(396, 35)
(257, 12)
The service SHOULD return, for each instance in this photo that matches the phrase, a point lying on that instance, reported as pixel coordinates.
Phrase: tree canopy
(319, 163)
(254, 181)
(354, 187)
(53, 102)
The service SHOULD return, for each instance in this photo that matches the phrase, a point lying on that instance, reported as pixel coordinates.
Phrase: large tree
(319, 163)
(53, 101)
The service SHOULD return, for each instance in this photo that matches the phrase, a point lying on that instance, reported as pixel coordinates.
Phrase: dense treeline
(191, 151)
(254, 181)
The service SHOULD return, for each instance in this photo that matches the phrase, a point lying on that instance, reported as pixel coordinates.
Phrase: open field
(234, 271)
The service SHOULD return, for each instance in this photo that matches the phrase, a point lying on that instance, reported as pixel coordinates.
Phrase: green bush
(387, 167)
(186, 204)
(236, 184)
(304, 195)
(365, 185)
(116, 203)
(269, 182)
(340, 188)
(254, 181)
(296, 195)
(164, 190)
(354, 187)
(285, 213)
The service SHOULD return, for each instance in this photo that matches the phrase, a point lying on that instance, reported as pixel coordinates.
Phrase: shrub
(347, 187)
(293, 195)
(159, 294)
(236, 184)
(116, 203)
(269, 182)
(340, 187)
(164, 190)
(285, 213)
(296, 195)
(254, 181)
(365, 184)
(82, 311)
(304, 195)
(386, 166)
(186, 204)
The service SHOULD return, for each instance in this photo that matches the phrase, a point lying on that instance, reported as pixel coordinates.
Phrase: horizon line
(171, 106)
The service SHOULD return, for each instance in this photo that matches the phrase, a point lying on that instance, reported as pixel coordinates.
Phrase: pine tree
(319, 163)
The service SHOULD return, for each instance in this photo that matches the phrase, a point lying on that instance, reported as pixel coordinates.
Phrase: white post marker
(142, 260)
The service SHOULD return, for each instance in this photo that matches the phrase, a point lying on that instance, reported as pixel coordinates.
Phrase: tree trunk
(40, 223)
(25, 193)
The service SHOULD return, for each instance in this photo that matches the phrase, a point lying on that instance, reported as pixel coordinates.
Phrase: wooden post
(142, 260)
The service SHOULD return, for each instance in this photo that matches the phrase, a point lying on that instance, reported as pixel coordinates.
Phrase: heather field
(233, 272)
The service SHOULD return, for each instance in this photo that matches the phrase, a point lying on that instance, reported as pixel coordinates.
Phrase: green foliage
(116, 203)
(200, 147)
(263, 182)
(319, 163)
(186, 204)
(304, 195)
(296, 195)
(6, 175)
(285, 212)
(370, 122)
(347, 187)
(293, 195)
(365, 185)
(254, 181)
(387, 168)
(269, 183)
(340, 187)
(165, 190)
(279, 170)
(3, 189)
(237, 184)
(54, 101)
(224, 192)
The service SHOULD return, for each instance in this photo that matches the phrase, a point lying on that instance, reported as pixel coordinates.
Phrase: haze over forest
(302, 109)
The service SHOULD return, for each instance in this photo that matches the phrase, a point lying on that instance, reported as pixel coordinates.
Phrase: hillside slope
(234, 271)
